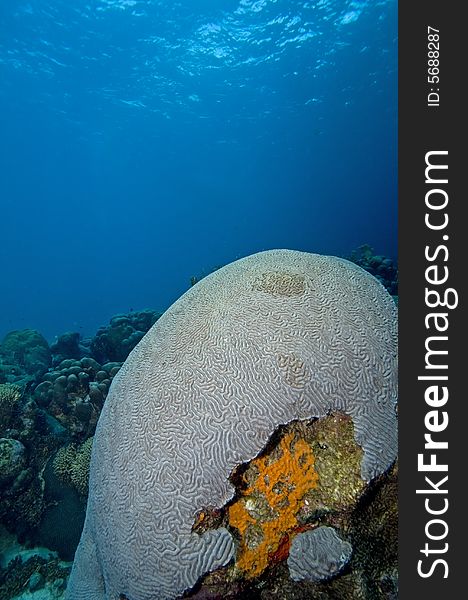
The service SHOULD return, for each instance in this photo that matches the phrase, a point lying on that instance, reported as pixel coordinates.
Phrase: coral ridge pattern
(277, 336)
(317, 554)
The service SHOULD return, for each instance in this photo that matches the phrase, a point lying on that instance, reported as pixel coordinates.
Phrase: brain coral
(317, 554)
(276, 336)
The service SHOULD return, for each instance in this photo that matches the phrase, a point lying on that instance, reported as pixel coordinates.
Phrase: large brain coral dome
(276, 336)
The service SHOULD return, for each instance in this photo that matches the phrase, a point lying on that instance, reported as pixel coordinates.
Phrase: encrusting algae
(266, 511)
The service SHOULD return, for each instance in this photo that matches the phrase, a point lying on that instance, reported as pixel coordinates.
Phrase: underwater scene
(198, 299)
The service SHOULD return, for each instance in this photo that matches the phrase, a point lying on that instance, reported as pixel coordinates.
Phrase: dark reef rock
(36, 582)
(30, 435)
(32, 573)
(51, 397)
(10, 396)
(74, 393)
(63, 506)
(50, 401)
(374, 531)
(28, 349)
(115, 341)
(381, 267)
(371, 574)
(12, 460)
(365, 516)
(21, 503)
(68, 345)
(24, 355)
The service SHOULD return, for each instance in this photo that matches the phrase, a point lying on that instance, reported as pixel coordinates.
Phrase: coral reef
(9, 397)
(68, 345)
(74, 393)
(71, 465)
(35, 435)
(317, 554)
(363, 517)
(12, 460)
(35, 573)
(308, 475)
(117, 340)
(338, 461)
(313, 471)
(382, 267)
(299, 479)
(51, 397)
(274, 337)
(373, 532)
(21, 492)
(370, 574)
(24, 355)
(63, 504)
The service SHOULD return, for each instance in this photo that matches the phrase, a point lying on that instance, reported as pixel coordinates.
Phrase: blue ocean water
(143, 142)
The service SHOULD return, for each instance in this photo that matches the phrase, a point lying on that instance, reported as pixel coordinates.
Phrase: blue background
(143, 142)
